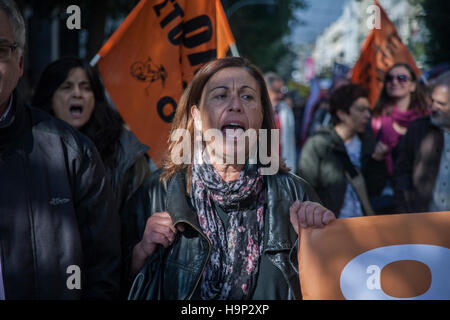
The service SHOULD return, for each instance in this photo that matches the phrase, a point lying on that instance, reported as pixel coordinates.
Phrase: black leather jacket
(56, 211)
(175, 273)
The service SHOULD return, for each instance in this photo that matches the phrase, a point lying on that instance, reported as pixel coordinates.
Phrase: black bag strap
(357, 181)
(348, 165)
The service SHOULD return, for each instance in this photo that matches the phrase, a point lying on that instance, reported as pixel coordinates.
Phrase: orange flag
(382, 49)
(399, 256)
(225, 39)
(152, 56)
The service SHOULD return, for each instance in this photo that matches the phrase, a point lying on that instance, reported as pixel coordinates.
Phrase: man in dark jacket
(422, 169)
(339, 149)
(59, 234)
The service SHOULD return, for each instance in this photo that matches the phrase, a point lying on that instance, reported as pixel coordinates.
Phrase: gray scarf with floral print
(231, 272)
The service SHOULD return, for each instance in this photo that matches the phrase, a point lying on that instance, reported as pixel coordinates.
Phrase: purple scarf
(231, 272)
(404, 118)
(387, 133)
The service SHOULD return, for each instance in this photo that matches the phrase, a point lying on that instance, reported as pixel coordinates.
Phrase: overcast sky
(319, 15)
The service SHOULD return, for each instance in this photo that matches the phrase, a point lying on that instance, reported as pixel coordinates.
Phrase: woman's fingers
(293, 215)
(164, 230)
(156, 238)
(310, 214)
(302, 214)
(164, 219)
(318, 218)
(310, 208)
(327, 217)
(159, 229)
(180, 227)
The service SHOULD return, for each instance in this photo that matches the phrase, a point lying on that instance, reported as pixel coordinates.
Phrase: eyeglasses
(361, 108)
(6, 50)
(401, 78)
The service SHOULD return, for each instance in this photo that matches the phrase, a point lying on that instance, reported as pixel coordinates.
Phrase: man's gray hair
(15, 19)
(442, 81)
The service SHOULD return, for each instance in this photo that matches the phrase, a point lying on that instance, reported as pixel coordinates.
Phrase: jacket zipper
(207, 258)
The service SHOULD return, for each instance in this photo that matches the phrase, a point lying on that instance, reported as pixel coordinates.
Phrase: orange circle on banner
(405, 278)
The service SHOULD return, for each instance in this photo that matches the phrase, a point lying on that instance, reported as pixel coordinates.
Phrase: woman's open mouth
(76, 110)
(233, 130)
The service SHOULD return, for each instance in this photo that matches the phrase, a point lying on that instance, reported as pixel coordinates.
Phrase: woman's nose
(235, 103)
(76, 91)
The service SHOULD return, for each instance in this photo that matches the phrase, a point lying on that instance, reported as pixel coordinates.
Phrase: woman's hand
(381, 151)
(159, 229)
(309, 214)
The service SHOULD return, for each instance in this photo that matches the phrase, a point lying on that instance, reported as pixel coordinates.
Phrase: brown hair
(417, 101)
(192, 96)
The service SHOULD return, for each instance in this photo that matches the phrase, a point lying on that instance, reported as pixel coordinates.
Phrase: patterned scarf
(232, 269)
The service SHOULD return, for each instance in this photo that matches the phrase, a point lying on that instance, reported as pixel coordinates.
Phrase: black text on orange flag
(152, 57)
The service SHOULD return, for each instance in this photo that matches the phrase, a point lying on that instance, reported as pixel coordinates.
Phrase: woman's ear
(341, 115)
(195, 113)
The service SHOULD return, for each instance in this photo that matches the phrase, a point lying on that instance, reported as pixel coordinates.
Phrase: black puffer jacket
(56, 211)
(175, 273)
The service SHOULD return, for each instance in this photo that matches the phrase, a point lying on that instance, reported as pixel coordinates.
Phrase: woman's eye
(247, 97)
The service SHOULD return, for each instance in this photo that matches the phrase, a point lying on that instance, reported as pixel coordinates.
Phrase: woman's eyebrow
(226, 88)
(245, 87)
(219, 87)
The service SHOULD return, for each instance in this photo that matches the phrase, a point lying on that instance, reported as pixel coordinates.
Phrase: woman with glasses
(401, 101)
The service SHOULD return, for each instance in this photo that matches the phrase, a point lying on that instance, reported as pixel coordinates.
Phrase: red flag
(382, 49)
(152, 56)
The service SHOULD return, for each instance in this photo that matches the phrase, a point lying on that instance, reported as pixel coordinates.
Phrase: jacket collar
(338, 144)
(177, 202)
(279, 234)
(132, 148)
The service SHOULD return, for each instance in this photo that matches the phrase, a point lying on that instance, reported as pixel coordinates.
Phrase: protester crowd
(78, 188)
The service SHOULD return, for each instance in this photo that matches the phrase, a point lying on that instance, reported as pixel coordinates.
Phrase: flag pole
(234, 50)
(94, 60)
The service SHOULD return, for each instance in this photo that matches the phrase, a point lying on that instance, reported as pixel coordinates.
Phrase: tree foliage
(436, 18)
(93, 18)
(261, 30)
